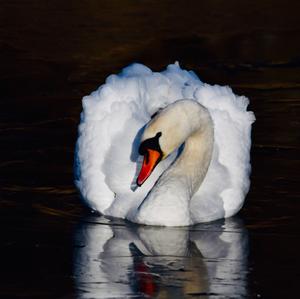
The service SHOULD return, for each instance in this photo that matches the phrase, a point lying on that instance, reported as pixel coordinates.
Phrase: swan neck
(191, 166)
(194, 161)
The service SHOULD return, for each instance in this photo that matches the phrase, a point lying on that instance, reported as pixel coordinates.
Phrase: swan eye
(154, 114)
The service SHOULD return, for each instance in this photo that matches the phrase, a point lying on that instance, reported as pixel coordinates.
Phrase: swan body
(200, 135)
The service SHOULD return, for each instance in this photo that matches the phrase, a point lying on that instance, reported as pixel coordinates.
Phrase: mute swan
(190, 160)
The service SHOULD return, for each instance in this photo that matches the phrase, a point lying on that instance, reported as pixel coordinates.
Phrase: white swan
(210, 177)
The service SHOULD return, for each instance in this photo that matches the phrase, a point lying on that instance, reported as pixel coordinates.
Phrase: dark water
(51, 54)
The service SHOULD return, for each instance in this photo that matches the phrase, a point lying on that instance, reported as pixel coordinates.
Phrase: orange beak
(151, 159)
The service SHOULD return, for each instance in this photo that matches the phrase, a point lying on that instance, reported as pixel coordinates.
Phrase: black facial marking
(151, 143)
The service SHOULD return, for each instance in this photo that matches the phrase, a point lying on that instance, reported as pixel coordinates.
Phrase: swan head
(162, 135)
(151, 150)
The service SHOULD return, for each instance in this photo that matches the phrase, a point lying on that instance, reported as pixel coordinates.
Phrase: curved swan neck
(191, 166)
(190, 123)
(194, 161)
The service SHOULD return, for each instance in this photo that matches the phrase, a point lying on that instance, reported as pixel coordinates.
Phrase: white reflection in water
(122, 260)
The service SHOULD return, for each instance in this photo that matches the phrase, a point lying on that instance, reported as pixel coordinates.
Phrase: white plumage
(112, 121)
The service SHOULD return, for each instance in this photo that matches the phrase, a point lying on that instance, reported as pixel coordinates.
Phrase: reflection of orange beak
(151, 159)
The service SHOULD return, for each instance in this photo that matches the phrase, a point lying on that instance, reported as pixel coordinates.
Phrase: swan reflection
(121, 260)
